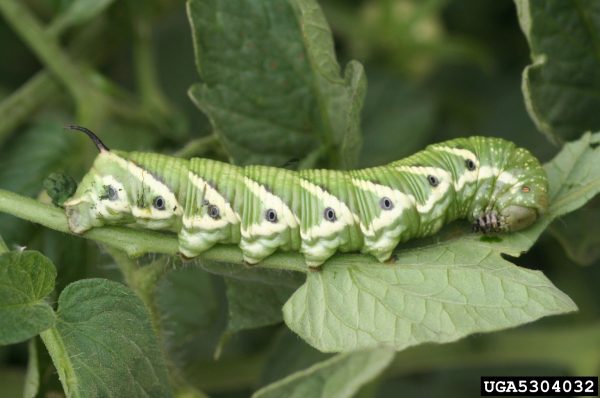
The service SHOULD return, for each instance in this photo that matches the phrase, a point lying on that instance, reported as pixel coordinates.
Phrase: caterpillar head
(117, 191)
(520, 194)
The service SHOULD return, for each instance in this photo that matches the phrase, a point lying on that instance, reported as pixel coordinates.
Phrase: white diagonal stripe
(437, 192)
(285, 217)
(401, 201)
(203, 220)
(155, 186)
(461, 152)
(325, 228)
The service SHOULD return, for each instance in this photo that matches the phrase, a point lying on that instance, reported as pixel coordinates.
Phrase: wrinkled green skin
(498, 187)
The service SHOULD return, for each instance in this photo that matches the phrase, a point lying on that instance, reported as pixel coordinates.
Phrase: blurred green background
(435, 69)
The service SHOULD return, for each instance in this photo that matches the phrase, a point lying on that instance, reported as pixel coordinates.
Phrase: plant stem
(145, 66)
(3, 247)
(135, 242)
(141, 280)
(150, 93)
(15, 109)
(198, 146)
(49, 52)
(43, 88)
(62, 362)
(91, 45)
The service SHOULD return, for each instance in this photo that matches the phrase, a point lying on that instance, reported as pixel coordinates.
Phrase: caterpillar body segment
(317, 212)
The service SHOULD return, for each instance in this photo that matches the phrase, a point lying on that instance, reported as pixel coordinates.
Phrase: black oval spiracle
(433, 180)
(271, 215)
(329, 214)
(159, 203)
(386, 203)
(112, 193)
(213, 212)
(470, 164)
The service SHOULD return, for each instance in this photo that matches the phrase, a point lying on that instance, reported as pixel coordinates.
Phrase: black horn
(99, 144)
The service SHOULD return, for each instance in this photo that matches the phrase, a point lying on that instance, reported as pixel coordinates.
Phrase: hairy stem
(62, 362)
(142, 280)
(134, 242)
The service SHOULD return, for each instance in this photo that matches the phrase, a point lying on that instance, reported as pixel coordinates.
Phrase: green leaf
(192, 315)
(3, 247)
(231, 269)
(254, 304)
(26, 279)
(33, 155)
(75, 258)
(251, 305)
(289, 354)
(436, 293)
(447, 287)
(577, 168)
(271, 84)
(339, 376)
(561, 86)
(254, 295)
(103, 343)
(574, 175)
(579, 235)
(26, 162)
(398, 120)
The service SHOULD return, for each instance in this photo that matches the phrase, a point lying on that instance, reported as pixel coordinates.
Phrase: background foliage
(249, 83)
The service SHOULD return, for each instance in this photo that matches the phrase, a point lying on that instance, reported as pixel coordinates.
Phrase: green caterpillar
(489, 181)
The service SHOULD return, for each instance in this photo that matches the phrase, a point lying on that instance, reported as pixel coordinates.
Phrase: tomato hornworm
(489, 181)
